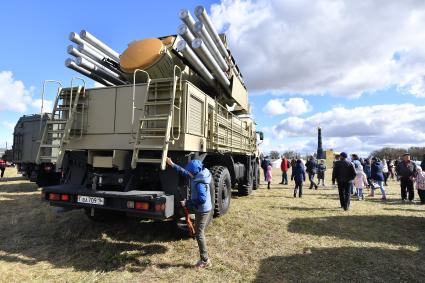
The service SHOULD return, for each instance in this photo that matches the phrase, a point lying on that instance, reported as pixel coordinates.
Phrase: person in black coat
(311, 166)
(264, 164)
(423, 163)
(406, 171)
(344, 173)
(298, 175)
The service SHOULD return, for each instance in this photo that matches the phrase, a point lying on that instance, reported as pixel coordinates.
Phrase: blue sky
(346, 66)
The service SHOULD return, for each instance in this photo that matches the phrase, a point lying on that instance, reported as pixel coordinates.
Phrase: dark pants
(406, 186)
(201, 220)
(2, 171)
(311, 178)
(265, 174)
(284, 178)
(298, 188)
(386, 175)
(369, 181)
(344, 194)
(421, 194)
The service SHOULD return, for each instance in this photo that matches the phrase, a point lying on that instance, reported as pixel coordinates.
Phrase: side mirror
(261, 134)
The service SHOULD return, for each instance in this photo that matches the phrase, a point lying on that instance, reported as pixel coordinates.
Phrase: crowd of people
(352, 175)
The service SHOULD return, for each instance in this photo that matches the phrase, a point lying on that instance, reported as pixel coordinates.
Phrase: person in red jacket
(2, 167)
(284, 166)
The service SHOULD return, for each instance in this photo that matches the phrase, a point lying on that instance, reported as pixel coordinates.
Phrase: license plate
(91, 200)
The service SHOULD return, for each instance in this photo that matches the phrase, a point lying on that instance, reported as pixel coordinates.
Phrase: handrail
(74, 106)
(172, 104)
(42, 98)
(134, 95)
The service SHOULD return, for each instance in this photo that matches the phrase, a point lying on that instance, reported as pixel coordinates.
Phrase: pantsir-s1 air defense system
(181, 96)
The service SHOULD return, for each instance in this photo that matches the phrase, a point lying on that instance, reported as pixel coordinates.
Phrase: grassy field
(266, 237)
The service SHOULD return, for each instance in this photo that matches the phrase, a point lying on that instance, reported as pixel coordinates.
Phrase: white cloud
(293, 106)
(334, 47)
(14, 96)
(360, 129)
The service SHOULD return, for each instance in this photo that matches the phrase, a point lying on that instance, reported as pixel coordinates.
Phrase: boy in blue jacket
(200, 202)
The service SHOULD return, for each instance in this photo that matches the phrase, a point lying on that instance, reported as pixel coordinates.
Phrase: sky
(354, 68)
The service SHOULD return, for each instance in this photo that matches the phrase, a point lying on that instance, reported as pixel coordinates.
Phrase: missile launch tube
(185, 32)
(72, 65)
(190, 56)
(203, 17)
(92, 53)
(202, 33)
(98, 71)
(204, 54)
(74, 37)
(187, 18)
(100, 45)
(75, 52)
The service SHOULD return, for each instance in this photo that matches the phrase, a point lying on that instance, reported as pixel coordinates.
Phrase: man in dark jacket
(284, 167)
(311, 168)
(264, 164)
(406, 171)
(344, 173)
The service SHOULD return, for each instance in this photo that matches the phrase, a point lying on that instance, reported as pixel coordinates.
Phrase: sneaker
(203, 264)
(383, 198)
(295, 194)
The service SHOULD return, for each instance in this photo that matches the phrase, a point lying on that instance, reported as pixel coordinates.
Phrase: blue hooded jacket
(376, 171)
(200, 194)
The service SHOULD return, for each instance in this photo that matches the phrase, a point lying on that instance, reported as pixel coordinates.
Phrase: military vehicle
(26, 139)
(181, 96)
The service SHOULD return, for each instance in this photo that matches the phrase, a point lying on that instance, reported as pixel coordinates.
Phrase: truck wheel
(245, 189)
(223, 189)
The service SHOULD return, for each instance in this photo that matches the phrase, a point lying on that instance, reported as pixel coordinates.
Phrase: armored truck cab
(26, 140)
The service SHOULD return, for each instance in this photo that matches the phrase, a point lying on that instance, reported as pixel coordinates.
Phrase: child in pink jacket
(269, 176)
(420, 184)
(360, 181)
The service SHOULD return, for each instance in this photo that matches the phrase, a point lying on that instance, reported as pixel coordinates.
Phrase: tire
(256, 180)
(246, 188)
(223, 189)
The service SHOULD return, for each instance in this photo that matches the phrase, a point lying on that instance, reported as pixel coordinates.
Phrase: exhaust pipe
(203, 34)
(190, 56)
(85, 35)
(203, 17)
(204, 54)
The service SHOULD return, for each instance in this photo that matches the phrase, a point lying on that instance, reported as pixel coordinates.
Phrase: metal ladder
(155, 129)
(59, 127)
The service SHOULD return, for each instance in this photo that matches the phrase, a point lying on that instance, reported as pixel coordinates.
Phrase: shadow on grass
(18, 188)
(344, 265)
(10, 179)
(399, 230)
(31, 229)
(406, 209)
(296, 208)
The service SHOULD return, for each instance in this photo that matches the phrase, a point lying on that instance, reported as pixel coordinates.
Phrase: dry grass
(266, 237)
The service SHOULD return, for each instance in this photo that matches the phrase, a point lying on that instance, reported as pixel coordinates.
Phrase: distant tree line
(416, 153)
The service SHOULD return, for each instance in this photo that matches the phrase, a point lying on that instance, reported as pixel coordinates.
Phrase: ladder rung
(149, 160)
(150, 147)
(155, 118)
(57, 122)
(50, 145)
(153, 103)
(48, 157)
(56, 132)
(152, 137)
(152, 130)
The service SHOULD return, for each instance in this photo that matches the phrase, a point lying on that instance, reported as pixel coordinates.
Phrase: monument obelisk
(319, 144)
